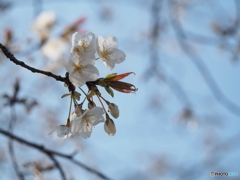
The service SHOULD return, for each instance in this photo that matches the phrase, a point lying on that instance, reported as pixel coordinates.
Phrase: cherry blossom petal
(90, 73)
(100, 41)
(110, 42)
(117, 55)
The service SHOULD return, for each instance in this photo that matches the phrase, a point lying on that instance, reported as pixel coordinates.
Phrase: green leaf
(110, 91)
(102, 83)
(90, 95)
(110, 75)
(77, 95)
(65, 95)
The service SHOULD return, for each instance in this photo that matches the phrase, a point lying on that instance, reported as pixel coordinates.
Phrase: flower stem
(68, 120)
(84, 94)
(102, 104)
(83, 91)
(105, 100)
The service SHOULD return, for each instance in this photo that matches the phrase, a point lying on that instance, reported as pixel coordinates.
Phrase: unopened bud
(113, 109)
(109, 126)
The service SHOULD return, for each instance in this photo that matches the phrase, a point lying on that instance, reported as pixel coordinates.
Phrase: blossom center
(85, 45)
(76, 49)
(77, 67)
(88, 123)
(106, 54)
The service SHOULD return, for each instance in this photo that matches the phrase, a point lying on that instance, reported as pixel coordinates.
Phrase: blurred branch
(20, 63)
(58, 166)
(10, 144)
(155, 36)
(153, 69)
(49, 152)
(194, 172)
(199, 63)
(175, 86)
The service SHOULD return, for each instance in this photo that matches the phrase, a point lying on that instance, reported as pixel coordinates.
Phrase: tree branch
(199, 63)
(50, 152)
(153, 69)
(10, 140)
(11, 57)
(58, 166)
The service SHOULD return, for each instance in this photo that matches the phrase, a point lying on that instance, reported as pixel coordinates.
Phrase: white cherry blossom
(86, 41)
(54, 48)
(108, 51)
(81, 67)
(82, 125)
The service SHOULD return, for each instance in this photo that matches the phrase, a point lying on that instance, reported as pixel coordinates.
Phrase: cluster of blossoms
(81, 71)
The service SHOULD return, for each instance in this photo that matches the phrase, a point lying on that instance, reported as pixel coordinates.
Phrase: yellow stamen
(77, 68)
(84, 45)
(105, 54)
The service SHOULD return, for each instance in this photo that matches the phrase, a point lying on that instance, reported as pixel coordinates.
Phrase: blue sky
(144, 133)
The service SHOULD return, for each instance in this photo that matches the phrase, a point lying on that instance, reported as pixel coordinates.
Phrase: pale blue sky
(142, 133)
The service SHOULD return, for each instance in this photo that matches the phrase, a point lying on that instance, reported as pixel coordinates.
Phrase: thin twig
(48, 151)
(11, 57)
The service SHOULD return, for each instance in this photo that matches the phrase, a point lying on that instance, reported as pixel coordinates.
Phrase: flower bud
(113, 109)
(109, 127)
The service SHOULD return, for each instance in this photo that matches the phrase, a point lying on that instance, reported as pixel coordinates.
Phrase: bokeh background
(182, 123)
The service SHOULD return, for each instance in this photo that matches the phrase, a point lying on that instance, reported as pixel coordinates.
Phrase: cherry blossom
(108, 51)
(81, 68)
(82, 125)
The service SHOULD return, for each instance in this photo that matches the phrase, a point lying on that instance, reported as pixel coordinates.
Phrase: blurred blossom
(192, 125)
(8, 33)
(76, 26)
(37, 175)
(43, 24)
(187, 116)
(54, 48)
(108, 51)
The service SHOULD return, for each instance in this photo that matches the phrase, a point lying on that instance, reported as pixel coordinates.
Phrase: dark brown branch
(199, 63)
(11, 57)
(50, 152)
